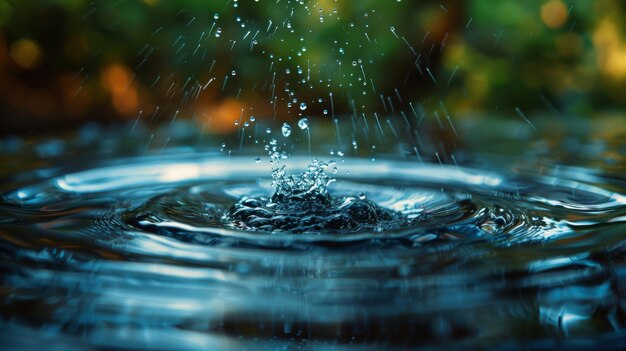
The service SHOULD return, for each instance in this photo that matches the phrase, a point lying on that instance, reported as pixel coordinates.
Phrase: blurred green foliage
(63, 61)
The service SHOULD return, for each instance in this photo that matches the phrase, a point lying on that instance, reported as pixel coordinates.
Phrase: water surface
(193, 249)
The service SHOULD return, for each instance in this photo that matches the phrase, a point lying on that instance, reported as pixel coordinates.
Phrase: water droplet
(302, 106)
(257, 160)
(233, 72)
(286, 129)
(303, 123)
(268, 130)
(252, 119)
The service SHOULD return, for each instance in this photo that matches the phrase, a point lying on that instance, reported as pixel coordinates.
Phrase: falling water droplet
(303, 123)
(286, 129)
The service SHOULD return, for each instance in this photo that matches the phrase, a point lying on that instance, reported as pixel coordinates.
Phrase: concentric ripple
(196, 251)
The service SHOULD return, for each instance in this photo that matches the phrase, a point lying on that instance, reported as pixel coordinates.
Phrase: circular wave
(182, 252)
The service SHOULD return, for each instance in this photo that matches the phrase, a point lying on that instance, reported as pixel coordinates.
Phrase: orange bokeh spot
(554, 13)
(221, 118)
(115, 78)
(26, 53)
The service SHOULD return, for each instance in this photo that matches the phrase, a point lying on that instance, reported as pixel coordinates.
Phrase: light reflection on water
(135, 253)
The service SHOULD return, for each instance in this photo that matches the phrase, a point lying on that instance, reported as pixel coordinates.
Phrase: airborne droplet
(286, 129)
(303, 123)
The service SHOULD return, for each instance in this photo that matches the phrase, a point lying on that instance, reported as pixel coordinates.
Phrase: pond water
(185, 248)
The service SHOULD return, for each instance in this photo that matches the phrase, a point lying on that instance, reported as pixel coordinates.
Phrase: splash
(301, 203)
